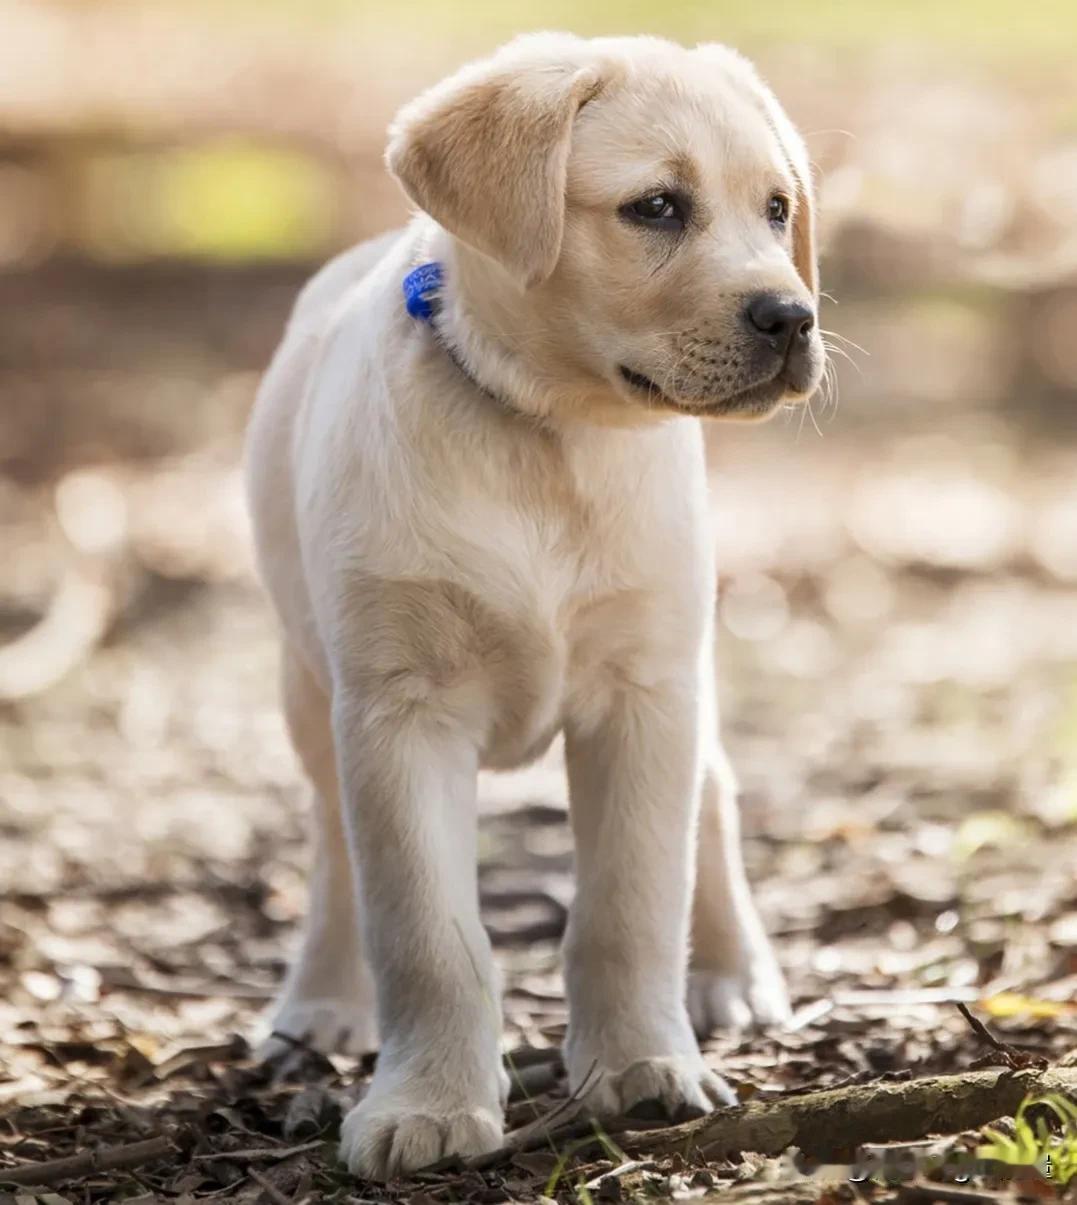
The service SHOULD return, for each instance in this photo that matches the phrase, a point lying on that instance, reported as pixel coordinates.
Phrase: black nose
(783, 323)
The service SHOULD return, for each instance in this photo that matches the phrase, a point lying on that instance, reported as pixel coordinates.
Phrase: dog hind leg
(327, 1000)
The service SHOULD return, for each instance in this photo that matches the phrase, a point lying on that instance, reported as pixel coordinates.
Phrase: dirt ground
(899, 698)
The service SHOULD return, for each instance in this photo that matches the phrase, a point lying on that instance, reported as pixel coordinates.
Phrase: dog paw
(381, 1139)
(327, 1025)
(673, 1088)
(755, 996)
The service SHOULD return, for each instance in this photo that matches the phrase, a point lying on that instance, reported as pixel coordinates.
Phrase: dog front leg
(633, 778)
(408, 781)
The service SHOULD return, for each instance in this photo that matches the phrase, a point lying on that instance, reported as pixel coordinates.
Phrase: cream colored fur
(458, 578)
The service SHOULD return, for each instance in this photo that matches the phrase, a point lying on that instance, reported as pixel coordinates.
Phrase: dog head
(645, 212)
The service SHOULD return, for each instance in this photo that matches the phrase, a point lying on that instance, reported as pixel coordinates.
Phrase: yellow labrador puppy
(480, 504)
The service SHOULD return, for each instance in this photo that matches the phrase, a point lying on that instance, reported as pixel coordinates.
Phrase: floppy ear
(796, 154)
(485, 153)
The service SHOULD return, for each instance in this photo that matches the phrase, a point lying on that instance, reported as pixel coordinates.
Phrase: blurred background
(898, 610)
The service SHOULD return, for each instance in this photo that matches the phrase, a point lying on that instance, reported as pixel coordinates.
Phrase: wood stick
(272, 1153)
(133, 1154)
(1010, 1055)
(830, 1125)
(269, 1188)
(623, 1170)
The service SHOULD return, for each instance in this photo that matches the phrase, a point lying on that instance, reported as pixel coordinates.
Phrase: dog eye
(661, 209)
(778, 209)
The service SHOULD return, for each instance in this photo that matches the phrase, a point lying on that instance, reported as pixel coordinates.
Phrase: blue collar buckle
(419, 287)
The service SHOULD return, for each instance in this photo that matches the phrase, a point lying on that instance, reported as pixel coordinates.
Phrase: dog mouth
(644, 384)
(757, 398)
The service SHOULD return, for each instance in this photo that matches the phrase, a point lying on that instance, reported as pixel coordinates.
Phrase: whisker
(828, 391)
(830, 381)
(838, 351)
(844, 339)
(811, 415)
(800, 425)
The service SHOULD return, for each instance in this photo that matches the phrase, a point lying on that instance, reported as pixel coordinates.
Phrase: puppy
(477, 480)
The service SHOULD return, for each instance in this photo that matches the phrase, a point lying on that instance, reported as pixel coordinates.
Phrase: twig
(292, 1042)
(530, 1138)
(537, 1134)
(270, 1189)
(809, 1014)
(625, 1168)
(70, 1167)
(542, 1127)
(541, 1130)
(267, 1152)
(1010, 1055)
(985, 1035)
(904, 997)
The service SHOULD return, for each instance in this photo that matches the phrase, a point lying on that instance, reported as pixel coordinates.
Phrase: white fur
(379, 475)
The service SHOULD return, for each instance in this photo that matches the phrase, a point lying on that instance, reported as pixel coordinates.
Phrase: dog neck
(479, 346)
(445, 342)
(487, 327)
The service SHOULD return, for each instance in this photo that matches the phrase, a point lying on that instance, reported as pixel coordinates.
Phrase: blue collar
(420, 286)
